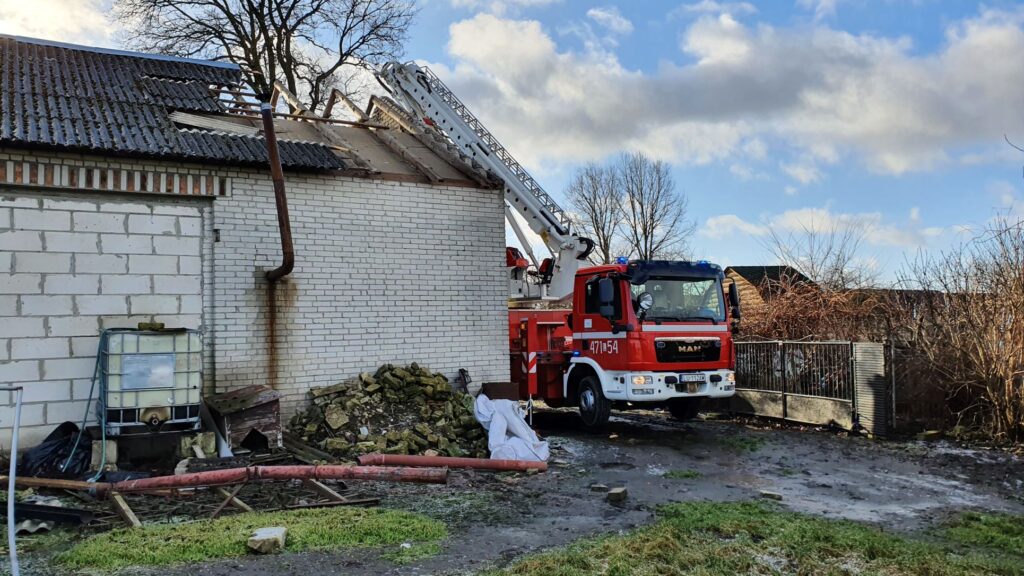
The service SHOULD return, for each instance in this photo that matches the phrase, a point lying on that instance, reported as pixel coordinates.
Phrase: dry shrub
(796, 309)
(969, 326)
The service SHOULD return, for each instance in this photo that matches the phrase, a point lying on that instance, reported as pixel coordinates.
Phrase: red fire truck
(652, 332)
(643, 332)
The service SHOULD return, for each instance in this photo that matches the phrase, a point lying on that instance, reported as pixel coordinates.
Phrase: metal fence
(841, 383)
(823, 369)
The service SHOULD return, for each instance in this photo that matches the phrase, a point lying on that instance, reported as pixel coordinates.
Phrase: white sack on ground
(509, 437)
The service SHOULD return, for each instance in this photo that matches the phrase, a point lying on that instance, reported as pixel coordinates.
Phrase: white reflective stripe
(688, 339)
(530, 362)
(596, 335)
(685, 328)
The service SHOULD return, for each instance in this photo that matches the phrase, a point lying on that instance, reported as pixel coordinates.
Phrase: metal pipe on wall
(277, 175)
(11, 547)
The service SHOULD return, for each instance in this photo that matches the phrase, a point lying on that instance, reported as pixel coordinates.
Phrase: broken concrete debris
(268, 540)
(396, 410)
(617, 495)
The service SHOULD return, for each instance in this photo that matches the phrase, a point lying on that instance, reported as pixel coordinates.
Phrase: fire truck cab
(643, 332)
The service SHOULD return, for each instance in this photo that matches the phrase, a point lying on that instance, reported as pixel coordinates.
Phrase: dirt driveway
(494, 519)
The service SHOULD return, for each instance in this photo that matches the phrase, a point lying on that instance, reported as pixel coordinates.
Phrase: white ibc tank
(152, 379)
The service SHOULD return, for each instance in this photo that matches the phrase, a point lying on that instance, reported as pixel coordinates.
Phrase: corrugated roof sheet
(108, 102)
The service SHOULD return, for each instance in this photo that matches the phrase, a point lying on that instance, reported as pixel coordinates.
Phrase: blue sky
(895, 113)
(783, 116)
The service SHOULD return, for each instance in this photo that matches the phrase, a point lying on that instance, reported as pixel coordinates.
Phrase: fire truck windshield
(681, 299)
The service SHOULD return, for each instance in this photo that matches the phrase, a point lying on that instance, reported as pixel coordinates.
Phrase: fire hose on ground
(232, 476)
(451, 462)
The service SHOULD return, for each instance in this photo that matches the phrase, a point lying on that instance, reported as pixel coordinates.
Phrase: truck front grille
(688, 350)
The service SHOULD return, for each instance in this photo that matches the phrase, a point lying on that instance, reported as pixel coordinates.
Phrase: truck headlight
(731, 377)
(641, 380)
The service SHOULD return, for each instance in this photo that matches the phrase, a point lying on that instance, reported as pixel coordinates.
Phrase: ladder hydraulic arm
(423, 94)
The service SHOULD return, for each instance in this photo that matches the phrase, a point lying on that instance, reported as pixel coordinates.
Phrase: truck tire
(685, 408)
(594, 407)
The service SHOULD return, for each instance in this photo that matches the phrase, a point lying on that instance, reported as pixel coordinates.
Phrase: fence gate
(839, 383)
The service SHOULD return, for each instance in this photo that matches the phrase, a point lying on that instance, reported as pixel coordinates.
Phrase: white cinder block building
(128, 194)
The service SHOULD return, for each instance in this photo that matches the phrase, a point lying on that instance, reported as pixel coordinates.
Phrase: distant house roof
(91, 100)
(757, 275)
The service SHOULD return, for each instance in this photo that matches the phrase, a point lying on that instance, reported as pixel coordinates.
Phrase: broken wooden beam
(232, 498)
(124, 510)
(323, 490)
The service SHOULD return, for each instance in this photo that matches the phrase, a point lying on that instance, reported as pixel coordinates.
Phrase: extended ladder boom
(435, 105)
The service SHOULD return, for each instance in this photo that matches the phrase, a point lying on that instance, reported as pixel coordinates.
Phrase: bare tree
(654, 213)
(305, 44)
(826, 253)
(971, 326)
(596, 199)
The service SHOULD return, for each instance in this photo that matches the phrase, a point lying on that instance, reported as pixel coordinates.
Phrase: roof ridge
(116, 52)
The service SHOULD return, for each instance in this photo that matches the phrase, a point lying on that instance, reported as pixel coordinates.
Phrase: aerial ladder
(427, 98)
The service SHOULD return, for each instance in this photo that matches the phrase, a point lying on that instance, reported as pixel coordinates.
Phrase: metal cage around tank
(150, 381)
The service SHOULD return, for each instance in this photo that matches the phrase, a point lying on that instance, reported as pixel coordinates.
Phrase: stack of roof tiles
(107, 102)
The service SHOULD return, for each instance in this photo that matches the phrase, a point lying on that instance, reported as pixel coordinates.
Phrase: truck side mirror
(734, 301)
(606, 296)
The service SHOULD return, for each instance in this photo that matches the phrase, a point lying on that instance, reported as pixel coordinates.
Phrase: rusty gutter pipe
(277, 175)
(450, 462)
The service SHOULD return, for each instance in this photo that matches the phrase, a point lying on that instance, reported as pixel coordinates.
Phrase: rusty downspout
(277, 174)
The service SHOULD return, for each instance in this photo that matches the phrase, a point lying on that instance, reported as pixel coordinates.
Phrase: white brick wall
(385, 272)
(73, 264)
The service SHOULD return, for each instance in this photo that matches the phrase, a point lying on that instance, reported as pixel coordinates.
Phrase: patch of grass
(683, 474)
(408, 555)
(999, 531)
(742, 443)
(718, 539)
(311, 529)
(455, 509)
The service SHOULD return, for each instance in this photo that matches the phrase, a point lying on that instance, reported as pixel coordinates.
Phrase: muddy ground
(493, 519)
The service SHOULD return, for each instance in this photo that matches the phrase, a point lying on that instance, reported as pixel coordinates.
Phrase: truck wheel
(685, 408)
(594, 407)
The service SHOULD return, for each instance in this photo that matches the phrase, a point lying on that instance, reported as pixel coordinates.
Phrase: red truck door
(594, 331)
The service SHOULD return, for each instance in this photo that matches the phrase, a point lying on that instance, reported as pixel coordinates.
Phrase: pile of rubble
(393, 411)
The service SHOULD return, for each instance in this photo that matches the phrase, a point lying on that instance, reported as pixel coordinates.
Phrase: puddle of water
(655, 470)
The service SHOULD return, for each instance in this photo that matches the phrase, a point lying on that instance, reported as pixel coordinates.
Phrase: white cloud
(501, 7)
(727, 225)
(804, 172)
(915, 214)
(756, 149)
(821, 8)
(790, 190)
(717, 41)
(821, 93)
(75, 21)
(610, 19)
(712, 7)
(876, 230)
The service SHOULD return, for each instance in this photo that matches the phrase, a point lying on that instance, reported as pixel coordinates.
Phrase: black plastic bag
(47, 459)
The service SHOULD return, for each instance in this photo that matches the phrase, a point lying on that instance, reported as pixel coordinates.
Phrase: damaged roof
(111, 102)
(92, 100)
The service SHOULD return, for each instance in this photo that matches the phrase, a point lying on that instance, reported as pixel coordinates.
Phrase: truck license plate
(691, 377)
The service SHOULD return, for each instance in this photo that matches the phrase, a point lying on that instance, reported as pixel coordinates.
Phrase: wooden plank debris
(124, 510)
